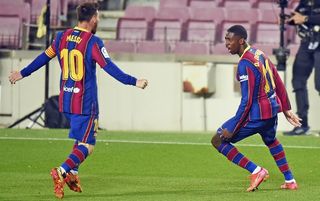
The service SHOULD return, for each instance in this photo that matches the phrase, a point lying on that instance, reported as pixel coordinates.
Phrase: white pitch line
(152, 142)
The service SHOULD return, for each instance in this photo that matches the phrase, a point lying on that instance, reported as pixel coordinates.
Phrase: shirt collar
(80, 29)
(245, 50)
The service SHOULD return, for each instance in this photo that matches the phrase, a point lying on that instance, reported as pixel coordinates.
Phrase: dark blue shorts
(83, 128)
(266, 128)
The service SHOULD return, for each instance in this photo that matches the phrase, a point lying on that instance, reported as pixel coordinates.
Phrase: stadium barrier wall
(163, 106)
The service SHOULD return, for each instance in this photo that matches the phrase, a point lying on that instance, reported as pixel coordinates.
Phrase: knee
(216, 141)
(299, 84)
(90, 147)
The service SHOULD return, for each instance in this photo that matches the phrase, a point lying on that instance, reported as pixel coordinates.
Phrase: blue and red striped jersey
(78, 51)
(263, 92)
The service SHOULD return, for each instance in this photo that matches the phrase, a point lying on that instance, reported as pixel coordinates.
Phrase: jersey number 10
(72, 64)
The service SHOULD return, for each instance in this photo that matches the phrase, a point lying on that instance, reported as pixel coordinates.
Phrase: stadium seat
(189, 48)
(10, 32)
(204, 3)
(268, 15)
(215, 14)
(268, 37)
(201, 31)
(146, 12)
(14, 8)
(132, 29)
(246, 17)
(268, 33)
(173, 3)
(55, 11)
(173, 13)
(153, 47)
(238, 3)
(266, 4)
(167, 30)
(115, 46)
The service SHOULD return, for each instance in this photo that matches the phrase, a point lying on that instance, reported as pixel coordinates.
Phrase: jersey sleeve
(280, 89)
(101, 56)
(247, 81)
(40, 61)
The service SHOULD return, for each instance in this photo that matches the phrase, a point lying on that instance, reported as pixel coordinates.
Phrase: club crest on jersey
(104, 52)
(243, 78)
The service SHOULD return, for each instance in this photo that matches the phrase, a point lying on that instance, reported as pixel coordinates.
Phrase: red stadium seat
(10, 32)
(267, 4)
(173, 13)
(173, 3)
(189, 48)
(268, 37)
(167, 30)
(238, 3)
(215, 14)
(268, 33)
(204, 3)
(14, 8)
(268, 15)
(55, 11)
(114, 46)
(147, 12)
(153, 47)
(201, 31)
(132, 29)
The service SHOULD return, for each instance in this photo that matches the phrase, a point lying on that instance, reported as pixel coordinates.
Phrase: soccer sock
(279, 156)
(236, 157)
(75, 169)
(77, 156)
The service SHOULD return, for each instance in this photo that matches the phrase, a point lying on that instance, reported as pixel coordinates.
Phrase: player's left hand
(226, 135)
(142, 83)
(292, 118)
(15, 76)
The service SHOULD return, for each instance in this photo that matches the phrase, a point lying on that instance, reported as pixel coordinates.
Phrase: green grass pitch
(152, 166)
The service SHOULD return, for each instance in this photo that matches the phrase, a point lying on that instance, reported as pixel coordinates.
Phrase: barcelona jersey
(263, 92)
(78, 51)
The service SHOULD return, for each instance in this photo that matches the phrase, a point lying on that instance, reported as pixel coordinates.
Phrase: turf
(151, 166)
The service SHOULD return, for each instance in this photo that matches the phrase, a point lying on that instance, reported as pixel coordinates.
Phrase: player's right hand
(143, 83)
(15, 76)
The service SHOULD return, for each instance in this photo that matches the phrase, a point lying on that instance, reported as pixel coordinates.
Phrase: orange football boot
(256, 179)
(289, 186)
(73, 182)
(58, 182)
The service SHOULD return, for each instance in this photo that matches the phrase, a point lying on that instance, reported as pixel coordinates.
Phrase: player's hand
(292, 118)
(15, 76)
(226, 135)
(297, 18)
(143, 83)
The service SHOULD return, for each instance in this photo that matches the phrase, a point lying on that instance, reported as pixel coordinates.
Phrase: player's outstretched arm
(142, 83)
(292, 118)
(15, 76)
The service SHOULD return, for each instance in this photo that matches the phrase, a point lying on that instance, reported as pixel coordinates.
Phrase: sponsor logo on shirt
(243, 78)
(104, 52)
(71, 89)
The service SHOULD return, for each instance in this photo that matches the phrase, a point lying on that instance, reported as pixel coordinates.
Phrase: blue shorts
(266, 128)
(83, 128)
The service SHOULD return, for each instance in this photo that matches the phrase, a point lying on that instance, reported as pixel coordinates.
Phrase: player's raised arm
(37, 63)
(101, 56)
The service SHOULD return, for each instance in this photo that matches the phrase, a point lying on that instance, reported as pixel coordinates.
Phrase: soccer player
(78, 50)
(263, 97)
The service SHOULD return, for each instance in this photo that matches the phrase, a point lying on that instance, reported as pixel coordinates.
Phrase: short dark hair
(86, 11)
(239, 31)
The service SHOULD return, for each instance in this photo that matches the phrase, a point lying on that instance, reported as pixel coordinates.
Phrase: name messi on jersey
(73, 38)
